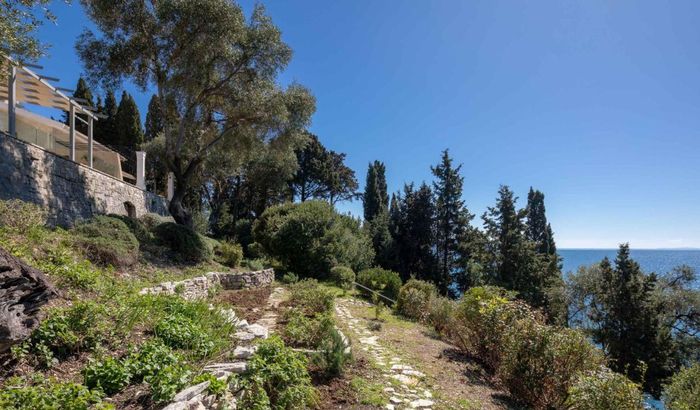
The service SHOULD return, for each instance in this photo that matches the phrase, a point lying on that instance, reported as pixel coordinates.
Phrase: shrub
(149, 359)
(181, 332)
(20, 216)
(229, 254)
(151, 220)
(107, 241)
(683, 392)
(414, 299)
(381, 280)
(109, 375)
(290, 278)
(277, 375)
(168, 381)
(303, 331)
(603, 389)
(311, 298)
(441, 315)
(46, 394)
(137, 227)
(186, 243)
(254, 264)
(540, 363)
(310, 238)
(343, 276)
(332, 356)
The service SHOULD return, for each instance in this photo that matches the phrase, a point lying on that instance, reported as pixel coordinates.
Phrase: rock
(421, 403)
(395, 400)
(234, 367)
(244, 352)
(178, 405)
(244, 336)
(191, 391)
(23, 291)
(258, 330)
(242, 324)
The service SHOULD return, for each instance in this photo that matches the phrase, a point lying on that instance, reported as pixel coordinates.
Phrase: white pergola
(22, 85)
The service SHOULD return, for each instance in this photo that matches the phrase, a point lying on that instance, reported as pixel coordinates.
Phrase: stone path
(404, 383)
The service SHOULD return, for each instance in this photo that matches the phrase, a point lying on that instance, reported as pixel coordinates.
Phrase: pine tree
(84, 94)
(626, 317)
(106, 130)
(376, 197)
(538, 229)
(154, 119)
(414, 234)
(451, 217)
(128, 122)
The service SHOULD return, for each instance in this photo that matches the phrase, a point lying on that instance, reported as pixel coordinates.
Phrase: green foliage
(18, 24)
(138, 227)
(228, 253)
(254, 264)
(441, 315)
(311, 298)
(181, 332)
(290, 278)
(109, 375)
(414, 299)
(107, 241)
(48, 394)
(149, 359)
(369, 393)
(168, 381)
(343, 276)
(683, 391)
(304, 331)
(310, 238)
(151, 220)
(277, 375)
(332, 356)
(603, 389)
(19, 216)
(128, 123)
(216, 386)
(540, 363)
(184, 242)
(60, 264)
(387, 282)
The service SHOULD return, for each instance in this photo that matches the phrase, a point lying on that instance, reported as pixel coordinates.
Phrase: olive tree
(217, 69)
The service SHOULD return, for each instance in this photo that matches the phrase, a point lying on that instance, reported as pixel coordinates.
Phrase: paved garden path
(404, 384)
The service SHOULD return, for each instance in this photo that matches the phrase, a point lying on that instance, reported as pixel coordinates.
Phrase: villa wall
(68, 190)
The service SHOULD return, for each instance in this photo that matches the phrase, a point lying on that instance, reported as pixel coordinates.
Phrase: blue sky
(596, 103)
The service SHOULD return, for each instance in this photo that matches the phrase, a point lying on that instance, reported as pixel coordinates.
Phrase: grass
(369, 393)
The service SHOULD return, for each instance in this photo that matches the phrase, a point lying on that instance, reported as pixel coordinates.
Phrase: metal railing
(374, 291)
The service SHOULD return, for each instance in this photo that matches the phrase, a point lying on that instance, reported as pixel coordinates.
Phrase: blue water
(650, 260)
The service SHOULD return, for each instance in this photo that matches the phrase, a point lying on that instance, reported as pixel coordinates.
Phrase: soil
(337, 392)
(248, 303)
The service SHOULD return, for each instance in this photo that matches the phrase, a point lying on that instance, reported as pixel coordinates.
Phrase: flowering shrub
(414, 299)
(683, 393)
(603, 389)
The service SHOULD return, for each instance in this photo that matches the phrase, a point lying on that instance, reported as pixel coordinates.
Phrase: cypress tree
(415, 234)
(82, 92)
(376, 198)
(451, 217)
(538, 229)
(106, 130)
(154, 119)
(128, 122)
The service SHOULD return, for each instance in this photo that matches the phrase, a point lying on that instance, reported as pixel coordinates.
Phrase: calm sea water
(650, 260)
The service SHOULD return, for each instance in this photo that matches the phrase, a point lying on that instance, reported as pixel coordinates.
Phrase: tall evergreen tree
(376, 197)
(414, 237)
(128, 122)
(309, 181)
(626, 322)
(106, 129)
(84, 95)
(155, 123)
(340, 181)
(538, 229)
(451, 218)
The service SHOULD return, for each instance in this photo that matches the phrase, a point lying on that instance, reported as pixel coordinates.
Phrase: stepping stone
(258, 330)
(400, 367)
(428, 394)
(244, 352)
(244, 336)
(389, 390)
(389, 407)
(415, 373)
(395, 400)
(191, 391)
(241, 324)
(422, 403)
(234, 367)
(406, 380)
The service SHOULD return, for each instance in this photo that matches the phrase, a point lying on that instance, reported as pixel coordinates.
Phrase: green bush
(603, 389)
(540, 362)
(441, 316)
(311, 237)
(186, 243)
(107, 241)
(150, 358)
(332, 356)
(137, 227)
(343, 276)
(20, 216)
(381, 280)
(228, 253)
(254, 264)
(44, 394)
(109, 375)
(310, 297)
(414, 299)
(151, 220)
(683, 392)
(181, 332)
(290, 278)
(303, 331)
(277, 378)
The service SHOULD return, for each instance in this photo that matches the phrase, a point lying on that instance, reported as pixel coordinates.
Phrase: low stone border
(200, 286)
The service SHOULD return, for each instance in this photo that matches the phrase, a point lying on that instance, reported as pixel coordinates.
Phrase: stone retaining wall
(200, 286)
(68, 190)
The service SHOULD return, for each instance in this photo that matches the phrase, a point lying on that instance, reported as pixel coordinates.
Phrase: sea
(658, 261)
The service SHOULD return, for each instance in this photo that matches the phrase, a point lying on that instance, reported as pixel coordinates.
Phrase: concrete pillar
(12, 101)
(91, 144)
(141, 169)
(71, 134)
(171, 185)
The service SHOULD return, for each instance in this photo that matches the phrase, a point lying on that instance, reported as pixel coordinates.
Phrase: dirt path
(420, 370)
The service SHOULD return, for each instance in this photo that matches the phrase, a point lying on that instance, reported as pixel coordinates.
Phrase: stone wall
(199, 287)
(68, 190)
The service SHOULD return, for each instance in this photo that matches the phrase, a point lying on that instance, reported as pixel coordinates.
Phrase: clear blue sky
(595, 102)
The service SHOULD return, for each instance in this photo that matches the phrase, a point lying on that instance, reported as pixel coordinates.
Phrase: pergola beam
(12, 101)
